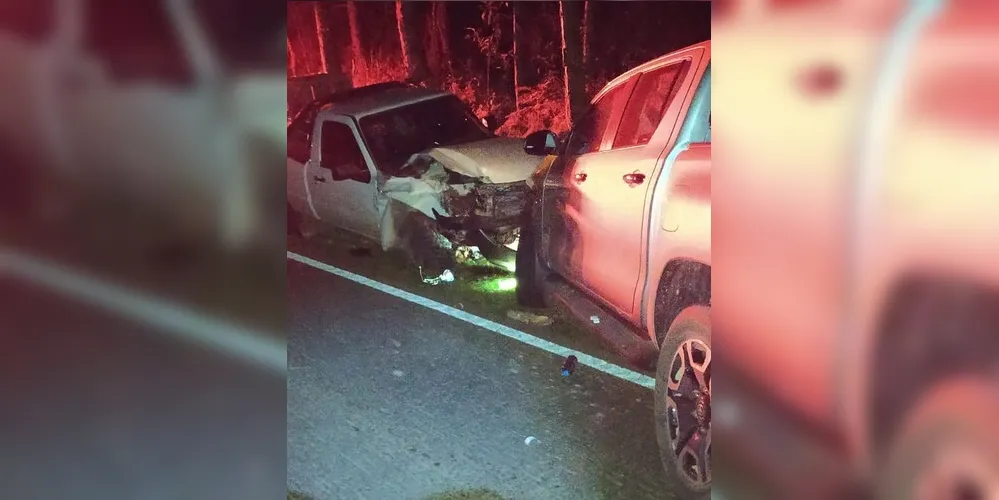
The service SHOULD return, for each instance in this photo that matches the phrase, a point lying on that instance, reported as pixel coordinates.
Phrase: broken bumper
(489, 217)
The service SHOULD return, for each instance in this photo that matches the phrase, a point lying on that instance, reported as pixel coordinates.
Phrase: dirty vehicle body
(619, 234)
(173, 112)
(410, 168)
(861, 279)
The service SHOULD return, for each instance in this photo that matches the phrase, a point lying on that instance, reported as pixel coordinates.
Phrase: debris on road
(529, 317)
(446, 277)
(397, 373)
(569, 366)
(529, 440)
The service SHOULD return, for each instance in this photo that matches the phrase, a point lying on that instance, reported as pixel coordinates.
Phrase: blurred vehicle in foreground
(172, 108)
(619, 234)
(411, 168)
(855, 199)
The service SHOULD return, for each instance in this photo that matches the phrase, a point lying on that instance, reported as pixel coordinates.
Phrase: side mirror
(490, 122)
(541, 143)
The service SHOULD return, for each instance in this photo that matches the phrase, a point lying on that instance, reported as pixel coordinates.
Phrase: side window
(300, 136)
(649, 101)
(33, 21)
(589, 131)
(340, 152)
(137, 41)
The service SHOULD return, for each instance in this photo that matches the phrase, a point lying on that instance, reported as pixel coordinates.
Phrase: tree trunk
(357, 67)
(516, 77)
(570, 19)
(407, 21)
(489, 55)
(439, 19)
(588, 15)
(321, 34)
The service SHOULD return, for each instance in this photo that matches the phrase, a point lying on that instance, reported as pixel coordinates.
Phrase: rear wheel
(683, 405)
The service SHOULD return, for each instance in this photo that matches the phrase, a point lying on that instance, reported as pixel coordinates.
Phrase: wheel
(497, 254)
(428, 250)
(948, 447)
(528, 271)
(683, 405)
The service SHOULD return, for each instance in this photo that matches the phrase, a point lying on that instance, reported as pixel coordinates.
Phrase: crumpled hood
(497, 160)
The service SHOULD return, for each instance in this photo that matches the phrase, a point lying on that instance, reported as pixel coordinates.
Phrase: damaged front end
(468, 211)
(486, 216)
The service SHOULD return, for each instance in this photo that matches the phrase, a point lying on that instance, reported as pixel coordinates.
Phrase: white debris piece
(446, 277)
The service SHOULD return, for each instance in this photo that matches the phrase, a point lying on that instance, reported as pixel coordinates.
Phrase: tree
(589, 7)
(515, 60)
(441, 48)
(322, 33)
(570, 18)
(413, 56)
(357, 69)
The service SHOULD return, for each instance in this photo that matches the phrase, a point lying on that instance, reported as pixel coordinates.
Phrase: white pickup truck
(410, 168)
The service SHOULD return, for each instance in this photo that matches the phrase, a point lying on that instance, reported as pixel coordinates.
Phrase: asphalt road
(96, 407)
(390, 400)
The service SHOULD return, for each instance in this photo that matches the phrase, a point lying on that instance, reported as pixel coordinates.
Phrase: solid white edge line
(492, 326)
(254, 347)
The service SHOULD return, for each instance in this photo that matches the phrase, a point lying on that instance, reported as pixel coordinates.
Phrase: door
(341, 178)
(562, 219)
(618, 179)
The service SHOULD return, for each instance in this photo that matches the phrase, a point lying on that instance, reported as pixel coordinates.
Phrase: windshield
(395, 135)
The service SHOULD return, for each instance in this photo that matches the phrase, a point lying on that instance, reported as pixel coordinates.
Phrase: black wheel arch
(684, 283)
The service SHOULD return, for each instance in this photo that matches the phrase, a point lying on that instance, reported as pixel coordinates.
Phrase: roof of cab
(372, 99)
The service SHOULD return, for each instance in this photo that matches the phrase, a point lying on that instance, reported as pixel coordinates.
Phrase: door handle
(318, 178)
(634, 178)
(580, 177)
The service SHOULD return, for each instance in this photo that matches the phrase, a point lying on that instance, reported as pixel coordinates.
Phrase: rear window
(653, 93)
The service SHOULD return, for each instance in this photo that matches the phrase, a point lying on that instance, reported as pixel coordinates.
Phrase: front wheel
(683, 405)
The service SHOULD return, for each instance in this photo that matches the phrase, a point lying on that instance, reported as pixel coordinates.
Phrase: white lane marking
(556, 349)
(254, 347)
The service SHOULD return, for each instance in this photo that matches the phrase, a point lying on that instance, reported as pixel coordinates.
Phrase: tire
(428, 250)
(679, 410)
(498, 255)
(528, 271)
(954, 419)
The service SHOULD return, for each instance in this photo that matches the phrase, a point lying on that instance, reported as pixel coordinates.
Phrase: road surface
(391, 400)
(94, 406)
